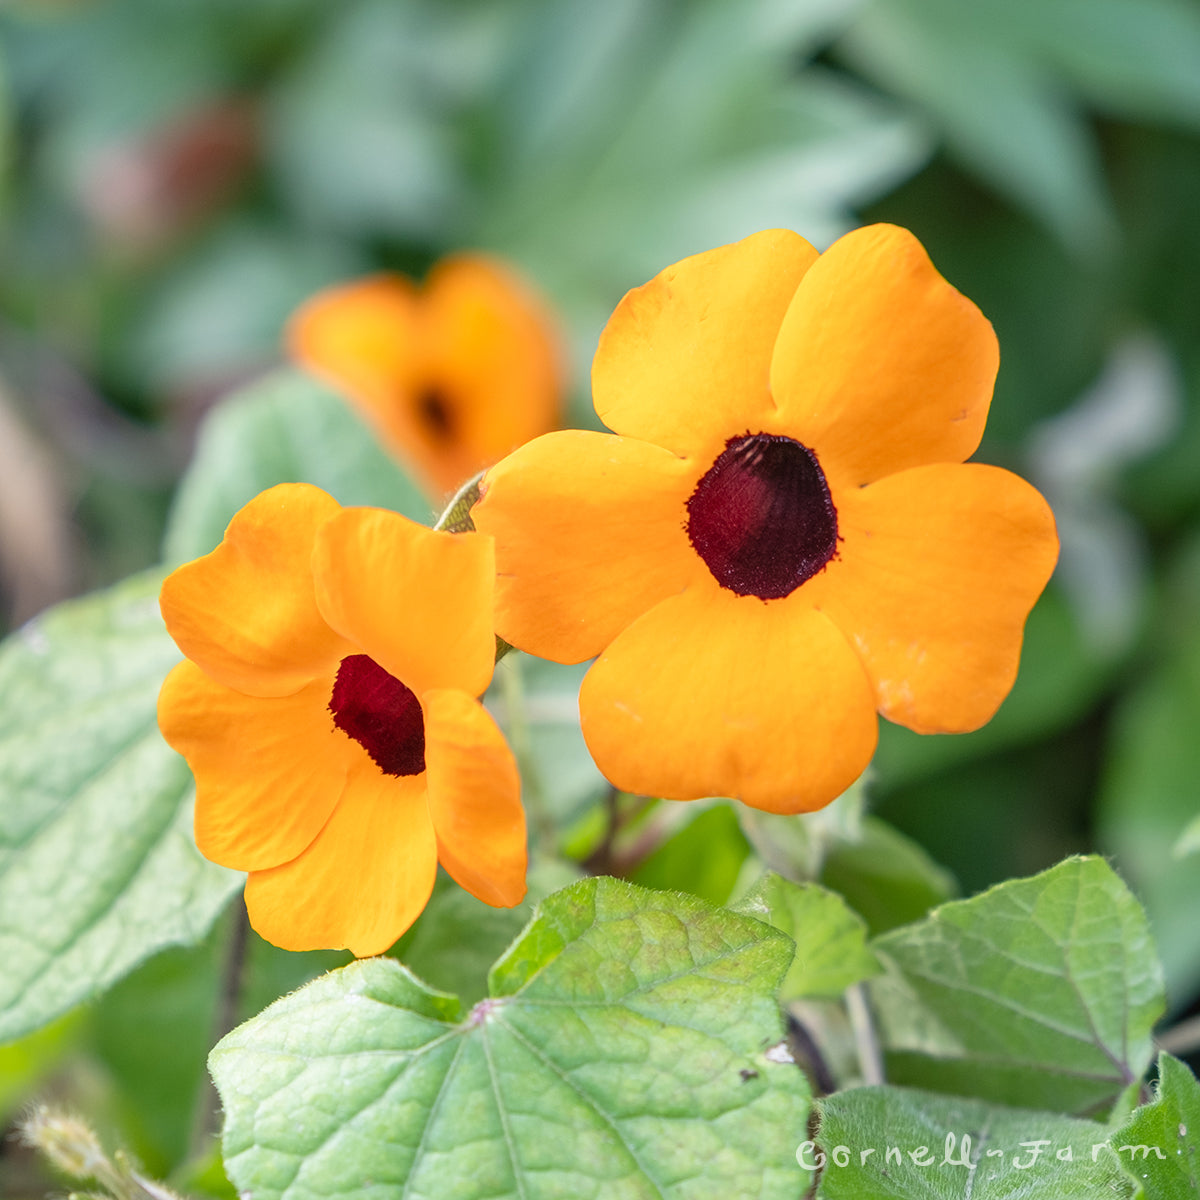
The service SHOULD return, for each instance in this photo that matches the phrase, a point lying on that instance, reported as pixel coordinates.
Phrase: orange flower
(329, 714)
(453, 376)
(785, 539)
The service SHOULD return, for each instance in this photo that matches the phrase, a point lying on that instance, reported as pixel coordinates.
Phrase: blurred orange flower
(329, 714)
(785, 539)
(452, 375)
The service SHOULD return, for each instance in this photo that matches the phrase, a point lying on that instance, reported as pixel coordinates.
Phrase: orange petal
(365, 340)
(474, 798)
(684, 361)
(453, 376)
(418, 602)
(269, 771)
(936, 574)
(880, 364)
(360, 335)
(493, 354)
(713, 694)
(364, 880)
(589, 533)
(246, 613)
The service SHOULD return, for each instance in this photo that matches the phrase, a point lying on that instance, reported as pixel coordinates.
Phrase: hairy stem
(866, 1041)
(207, 1115)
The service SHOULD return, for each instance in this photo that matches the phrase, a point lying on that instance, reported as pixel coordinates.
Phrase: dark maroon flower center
(380, 714)
(436, 414)
(762, 517)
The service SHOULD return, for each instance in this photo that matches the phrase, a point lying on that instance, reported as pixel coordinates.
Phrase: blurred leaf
(1039, 991)
(1160, 1143)
(269, 972)
(98, 869)
(205, 1176)
(153, 1031)
(457, 938)
(831, 941)
(558, 764)
(796, 846)
(1148, 796)
(645, 133)
(362, 129)
(1189, 839)
(886, 877)
(1004, 81)
(1001, 113)
(996, 77)
(1013, 1152)
(285, 428)
(1134, 407)
(1135, 58)
(704, 857)
(24, 1064)
(607, 1061)
(7, 131)
(220, 311)
(116, 70)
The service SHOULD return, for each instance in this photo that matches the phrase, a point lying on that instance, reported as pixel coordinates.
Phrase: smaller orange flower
(329, 713)
(453, 375)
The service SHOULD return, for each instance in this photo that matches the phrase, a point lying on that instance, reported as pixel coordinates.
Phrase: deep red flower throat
(762, 517)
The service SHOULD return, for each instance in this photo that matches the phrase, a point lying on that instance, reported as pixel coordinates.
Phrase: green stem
(532, 790)
(206, 1122)
(866, 1041)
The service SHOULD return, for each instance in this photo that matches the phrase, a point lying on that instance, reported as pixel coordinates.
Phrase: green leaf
(886, 877)
(98, 869)
(287, 428)
(831, 940)
(1160, 1143)
(622, 1053)
(889, 1143)
(796, 846)
(704, 857)
(457, 938)
(1040, 991)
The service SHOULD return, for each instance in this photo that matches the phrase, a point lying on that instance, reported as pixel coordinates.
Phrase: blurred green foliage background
(177, 175)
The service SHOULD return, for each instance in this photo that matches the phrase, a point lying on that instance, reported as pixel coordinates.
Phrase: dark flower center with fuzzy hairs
(762, 517)
(436, 414)
(380, 714)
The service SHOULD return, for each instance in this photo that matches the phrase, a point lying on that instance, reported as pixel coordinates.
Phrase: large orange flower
(453, 375)
(329, 714)
(785, 539)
